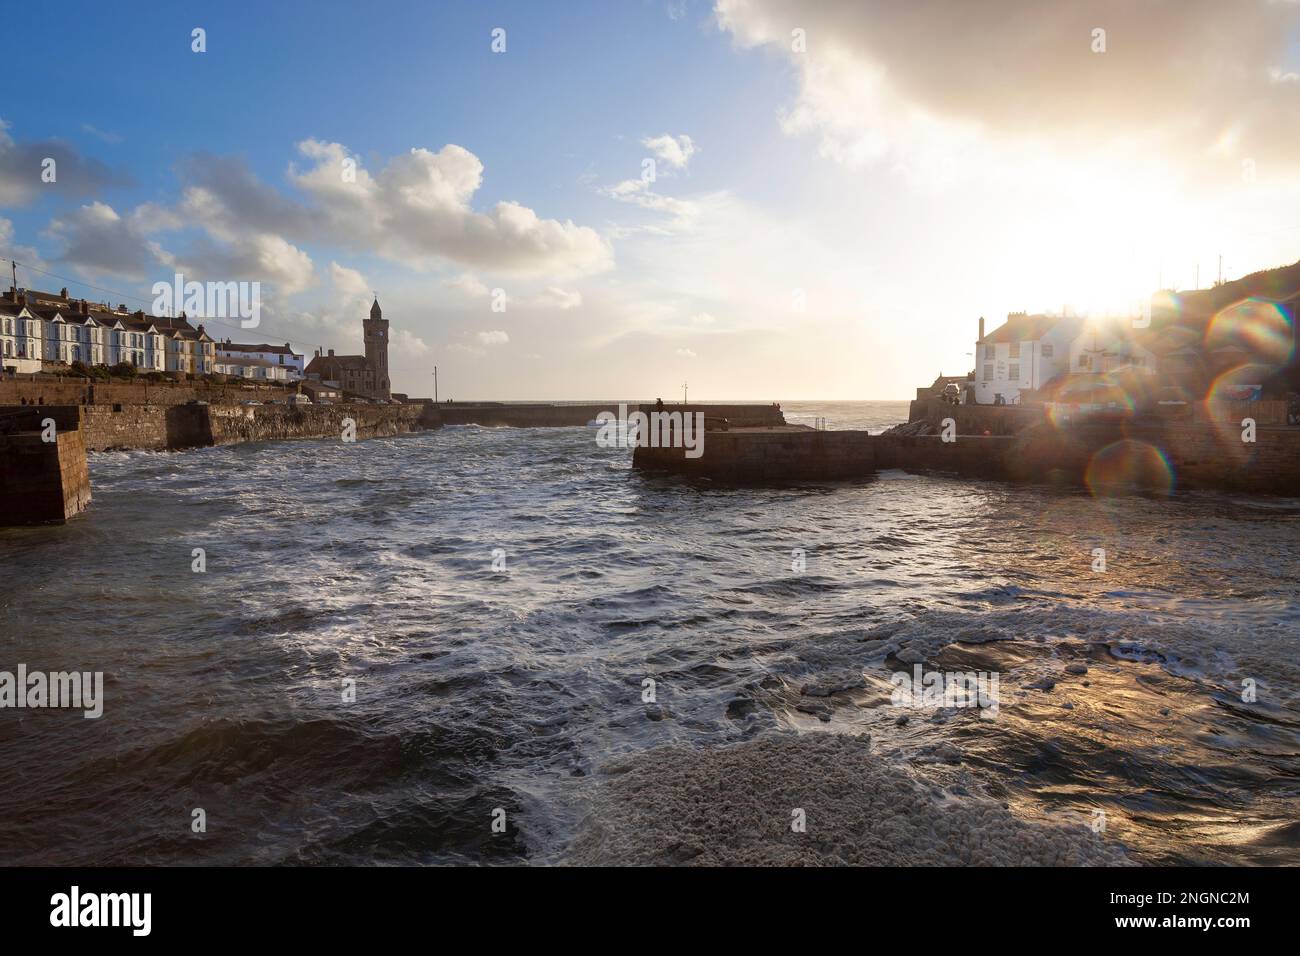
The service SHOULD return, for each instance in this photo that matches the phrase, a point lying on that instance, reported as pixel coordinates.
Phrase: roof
(245, 362)
(338, 361)
(1020, 327)
(238, 347)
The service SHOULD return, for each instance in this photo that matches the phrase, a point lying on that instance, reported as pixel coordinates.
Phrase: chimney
(981, 338)
(63, 293)
(331, 353)
(84, 307)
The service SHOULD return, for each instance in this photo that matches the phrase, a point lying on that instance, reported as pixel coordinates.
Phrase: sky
(768, 199)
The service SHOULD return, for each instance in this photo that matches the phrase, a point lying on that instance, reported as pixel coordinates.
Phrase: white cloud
(348, 282)
(681, 213)
(417, 210)
(553, 297)
(22, 165)
(909, 81)
(406, 343)
(25, 255)
(686, 353)
(493, 337)
(98, 240)
(467, 285)
(676, 151)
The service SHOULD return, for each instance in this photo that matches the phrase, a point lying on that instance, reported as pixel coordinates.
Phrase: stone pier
(1163, 456)
(44, 478)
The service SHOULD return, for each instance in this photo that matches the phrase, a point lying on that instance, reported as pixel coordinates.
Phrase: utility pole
(683, 393)
(1220, 282)
(435, 385)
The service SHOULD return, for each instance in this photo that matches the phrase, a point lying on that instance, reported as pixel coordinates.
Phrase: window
(990, 351)
(1014, 372)
(1015, 351)
(1046, 350)
(988, 372)
(1083, 361)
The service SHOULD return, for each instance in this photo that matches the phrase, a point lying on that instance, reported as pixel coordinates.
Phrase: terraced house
(45, 331)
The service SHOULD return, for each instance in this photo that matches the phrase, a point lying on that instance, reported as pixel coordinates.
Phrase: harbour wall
(41, 481)
(239, 423)
(976, 419)
(1011, 419)
(173, 427)
(1160, 455)
(76, 391)
(561, 416)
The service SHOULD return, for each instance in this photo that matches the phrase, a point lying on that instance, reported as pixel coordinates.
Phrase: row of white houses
(42, 330)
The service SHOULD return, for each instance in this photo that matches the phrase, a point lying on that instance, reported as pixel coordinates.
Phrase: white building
(282, 356)
(253, 369)
(1022, 355)
(20, 345)
(1111, 346)
(44, 328)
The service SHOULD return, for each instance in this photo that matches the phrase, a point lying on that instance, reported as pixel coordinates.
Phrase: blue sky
(887, 179)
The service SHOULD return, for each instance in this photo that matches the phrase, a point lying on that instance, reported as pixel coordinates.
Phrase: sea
(431, 648)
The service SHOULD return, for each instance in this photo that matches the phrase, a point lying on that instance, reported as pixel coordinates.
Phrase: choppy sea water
(479, 688)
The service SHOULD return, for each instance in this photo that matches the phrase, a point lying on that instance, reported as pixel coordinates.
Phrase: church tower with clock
(376, 339)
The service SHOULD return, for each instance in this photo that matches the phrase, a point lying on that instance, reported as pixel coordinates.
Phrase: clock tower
(376, 338)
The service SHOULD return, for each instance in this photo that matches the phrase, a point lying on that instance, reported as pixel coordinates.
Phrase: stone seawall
(175, 427)
(1010, 419)
(562, 416)
(1156, 456)
(248, 423)
(49, 481)
(81, 392)
(143, 427)
(40, 481)
(799, 454)
(976, 419)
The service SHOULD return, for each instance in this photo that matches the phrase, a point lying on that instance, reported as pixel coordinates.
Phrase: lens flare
(1258, 331)
(1124, 467)
(1241, 383)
